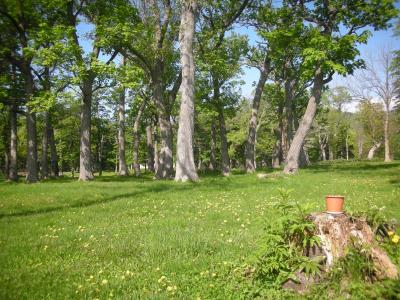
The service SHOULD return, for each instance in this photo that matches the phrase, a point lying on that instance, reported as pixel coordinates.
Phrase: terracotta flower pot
(334, 204)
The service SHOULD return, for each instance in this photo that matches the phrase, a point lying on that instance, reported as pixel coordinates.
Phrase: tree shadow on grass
(207, 186)
(352, 167)
(78, 204)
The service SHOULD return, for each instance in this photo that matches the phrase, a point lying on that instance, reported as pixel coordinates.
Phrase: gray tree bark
(53, 152)
(156, 156)
(276, 161)
(386, 134)
(136, 139)
(31, 159)
(213, 161)
(150, 148)
(13, 171)
(165, 164)
(85, 163)
(292, 160)
(224, 144)
(251, 136)
(290, 117)
(123, 169)
(45, 142)
(322, 146)
(375, 147)
(5, 134)
(360, 147)
(331, 154)
(185, 166)
(304, 161)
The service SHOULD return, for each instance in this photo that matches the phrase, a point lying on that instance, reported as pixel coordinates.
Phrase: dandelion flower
(390, 233)
(395, 239)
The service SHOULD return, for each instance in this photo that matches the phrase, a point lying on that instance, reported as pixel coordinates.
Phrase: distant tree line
(93, 85)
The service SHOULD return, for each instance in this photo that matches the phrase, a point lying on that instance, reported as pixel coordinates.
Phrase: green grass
(118, 237)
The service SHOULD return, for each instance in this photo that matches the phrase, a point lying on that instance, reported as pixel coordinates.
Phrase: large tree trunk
(13, 171)
(165, 164)
(251, 136)
(123, 169)
(45, 142)
(213, 161)
(85, 163)
(292, 160)
(386, 131)
(371, 151)
(53, 152)
(31, 159)
(150, 148)
(136, 139)
(185, 166)
(224, 144)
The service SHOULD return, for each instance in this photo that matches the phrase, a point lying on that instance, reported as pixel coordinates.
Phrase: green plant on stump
(287, 239)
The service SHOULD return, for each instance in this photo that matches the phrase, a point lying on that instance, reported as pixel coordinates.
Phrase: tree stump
(338, 233)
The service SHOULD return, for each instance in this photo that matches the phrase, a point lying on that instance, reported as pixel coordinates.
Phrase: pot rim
(334, 196)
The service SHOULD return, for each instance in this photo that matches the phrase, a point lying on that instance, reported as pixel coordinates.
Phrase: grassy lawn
(139, 238)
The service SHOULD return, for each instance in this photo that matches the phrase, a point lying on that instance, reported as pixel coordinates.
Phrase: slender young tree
(88, 71)
(251, 136)
(381, 81)
(136, 136)
(150, 147)
(123, 169)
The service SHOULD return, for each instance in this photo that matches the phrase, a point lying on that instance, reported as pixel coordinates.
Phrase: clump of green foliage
(281, 255)
(282, 258)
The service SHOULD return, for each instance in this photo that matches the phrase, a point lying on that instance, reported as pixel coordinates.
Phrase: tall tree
(251, 137)
(122, 169)
(381, 81)
(216, 51)
(185, 166)
(332, 48)
(88, 69)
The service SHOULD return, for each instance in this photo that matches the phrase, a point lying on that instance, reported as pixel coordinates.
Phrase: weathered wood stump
(269, 175)
(337, 234)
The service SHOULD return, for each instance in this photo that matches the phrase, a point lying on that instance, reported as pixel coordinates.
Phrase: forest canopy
(128, 86)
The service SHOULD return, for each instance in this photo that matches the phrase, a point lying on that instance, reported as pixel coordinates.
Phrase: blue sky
(376, 41)
(250, 77)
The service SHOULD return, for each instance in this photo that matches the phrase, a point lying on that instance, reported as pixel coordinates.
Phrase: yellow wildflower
(395, 239)
(390, 233)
